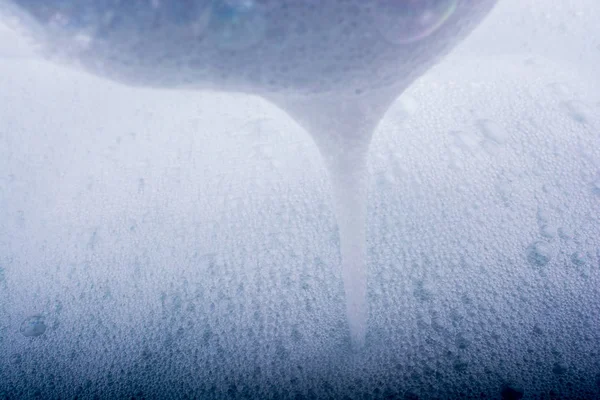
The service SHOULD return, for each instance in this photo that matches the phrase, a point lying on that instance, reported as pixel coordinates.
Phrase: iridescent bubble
(408, 21)
(237, 24)
(33, 326)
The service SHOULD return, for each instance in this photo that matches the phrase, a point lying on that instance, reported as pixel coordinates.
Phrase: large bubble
(408, 21)
(33, 326)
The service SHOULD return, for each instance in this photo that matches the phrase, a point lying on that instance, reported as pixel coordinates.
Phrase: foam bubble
(33, 326)
(539, 253)
(404, 22)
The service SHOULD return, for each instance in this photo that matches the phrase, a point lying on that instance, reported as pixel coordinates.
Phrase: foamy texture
(330, 65)
(184, 244)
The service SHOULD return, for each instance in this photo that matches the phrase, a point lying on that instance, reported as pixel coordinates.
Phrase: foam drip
(342, 128)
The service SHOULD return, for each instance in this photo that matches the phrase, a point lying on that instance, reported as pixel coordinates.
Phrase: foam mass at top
(249, 45)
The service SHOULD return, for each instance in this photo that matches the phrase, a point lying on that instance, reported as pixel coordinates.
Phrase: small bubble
(461, 366)
(559, 369)
(466, 141)
(504, 190)
(547, 231)
(543, 216)
(539, 253)
(421, 293)
(578, 258)
(564, 233)
(33, 326)
(492, 131)
(16, 359)
(408, 21)
(577, 110)
(462, 342)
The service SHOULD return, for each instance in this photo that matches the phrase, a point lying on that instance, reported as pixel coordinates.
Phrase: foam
(208, 285)
(252, 47)
(200, 282)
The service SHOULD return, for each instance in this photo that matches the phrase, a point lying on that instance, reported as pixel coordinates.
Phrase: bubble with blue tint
(33, 326)
(408, 21)
(237, 24)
